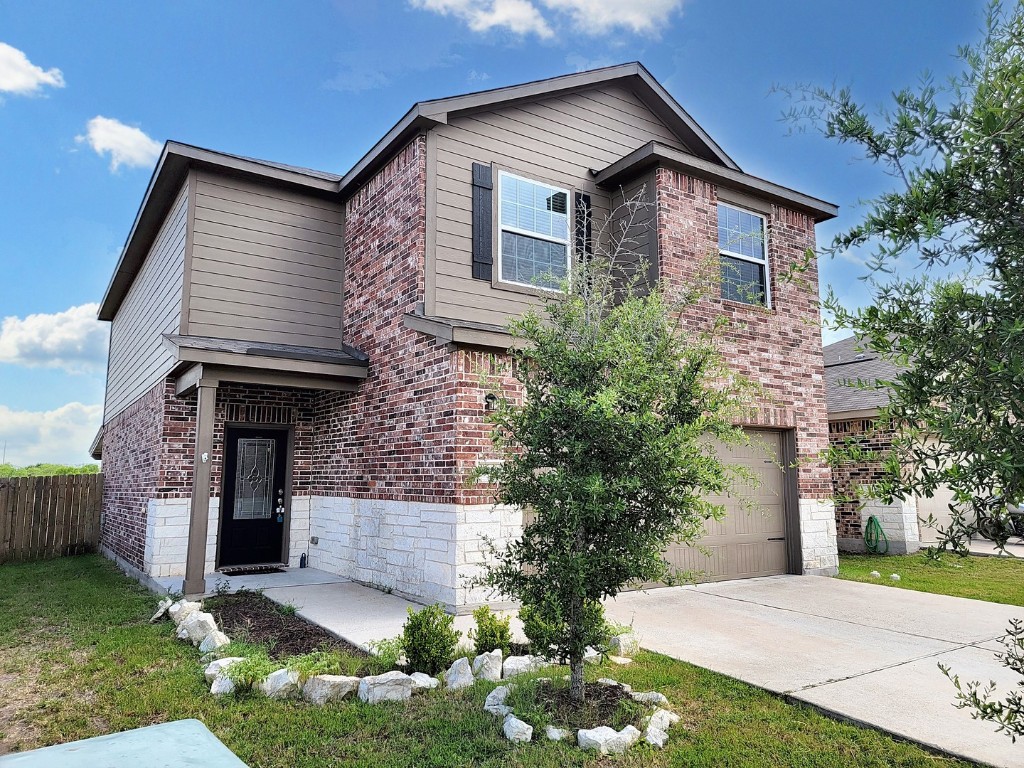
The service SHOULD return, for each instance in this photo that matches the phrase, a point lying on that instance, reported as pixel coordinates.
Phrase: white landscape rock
(391, 686)
(557, 734)
(182, 609)
(519, 665)
(662, 719)
(655, 737)
(213, 641)
(197, 627)
(487, 666)
(423, 682)
(516, 730)
(875, 575)
(895, 577)
(222, 685)
(651, 698)
(320, 689)
(626, 644)
(495, 701)
(281, 684)
(620, 660)
(161, 609)
(214, 668)
(592, 656)
(606, 740)
(459, 674)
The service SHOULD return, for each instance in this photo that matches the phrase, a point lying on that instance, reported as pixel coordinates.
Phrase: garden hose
(874, 535)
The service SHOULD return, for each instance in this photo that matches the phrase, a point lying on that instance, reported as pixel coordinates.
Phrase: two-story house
(296, 357)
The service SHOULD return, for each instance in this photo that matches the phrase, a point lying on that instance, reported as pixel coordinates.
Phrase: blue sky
(88, 92)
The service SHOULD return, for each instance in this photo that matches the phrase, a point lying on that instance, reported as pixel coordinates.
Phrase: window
(741, 245)
(533, 232)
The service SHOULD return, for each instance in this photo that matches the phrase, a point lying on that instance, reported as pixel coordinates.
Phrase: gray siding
(138, 357)
(557, 140)
(633, 234)
(266, 265)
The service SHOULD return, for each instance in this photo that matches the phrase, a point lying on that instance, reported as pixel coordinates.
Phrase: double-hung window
(533, 232)
(744, 255)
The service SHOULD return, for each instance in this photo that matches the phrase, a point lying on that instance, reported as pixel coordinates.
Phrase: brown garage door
(748, 541)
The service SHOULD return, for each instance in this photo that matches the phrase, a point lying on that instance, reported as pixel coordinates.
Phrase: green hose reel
(874, 537)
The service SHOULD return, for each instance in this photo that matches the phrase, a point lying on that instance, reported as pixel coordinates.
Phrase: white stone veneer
(422, 550)
(167, 524)
(818, 537)
(899, 523)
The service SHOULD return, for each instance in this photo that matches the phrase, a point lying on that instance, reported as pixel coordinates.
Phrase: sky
(90, 91)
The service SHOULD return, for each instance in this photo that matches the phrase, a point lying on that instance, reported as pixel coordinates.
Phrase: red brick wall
(241, 403)
(394, 438)
(780, 348)
(847, 476)
(131, 468)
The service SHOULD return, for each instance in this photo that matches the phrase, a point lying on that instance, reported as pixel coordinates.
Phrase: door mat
(249, 570)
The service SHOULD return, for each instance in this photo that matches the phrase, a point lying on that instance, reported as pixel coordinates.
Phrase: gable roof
(177, 158)
(847, 362)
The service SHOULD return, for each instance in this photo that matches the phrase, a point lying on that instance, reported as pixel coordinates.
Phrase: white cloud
(125, 144)
(73, 340)
(20, 76)
(582, 63)
(592, 17)
(518, 16)
(62, 435)
(599, 17)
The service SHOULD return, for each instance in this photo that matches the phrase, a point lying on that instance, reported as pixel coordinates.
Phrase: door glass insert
(254, 475)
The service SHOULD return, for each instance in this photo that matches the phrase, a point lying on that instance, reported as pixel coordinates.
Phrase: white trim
(743, 257)
(502, 228)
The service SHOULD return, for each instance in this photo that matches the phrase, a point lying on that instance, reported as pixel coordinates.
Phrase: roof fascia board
(654, 153)
(862, 413)
(415, 121)
(274, 364)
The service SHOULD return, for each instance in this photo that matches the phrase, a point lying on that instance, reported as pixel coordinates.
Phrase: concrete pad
(781, 650)
(955, 619)
(289, 577)
(1014, 548)
(915, 701)
(863, 652)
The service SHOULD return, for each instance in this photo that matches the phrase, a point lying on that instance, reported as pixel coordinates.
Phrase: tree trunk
(576, 689)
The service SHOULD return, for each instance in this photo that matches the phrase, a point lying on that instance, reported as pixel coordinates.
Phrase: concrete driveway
(864, 652)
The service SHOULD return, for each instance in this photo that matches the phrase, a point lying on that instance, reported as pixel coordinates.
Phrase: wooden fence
(43, 517)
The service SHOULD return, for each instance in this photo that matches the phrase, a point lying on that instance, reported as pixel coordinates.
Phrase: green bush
(543, 625)
(429, 639)
(386, 654)
(491, 632)
(251, 671)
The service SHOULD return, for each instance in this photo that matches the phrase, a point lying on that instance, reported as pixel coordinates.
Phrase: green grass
(78, 658)
(995, 579)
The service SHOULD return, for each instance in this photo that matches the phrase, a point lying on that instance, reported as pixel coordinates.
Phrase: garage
(747, 542)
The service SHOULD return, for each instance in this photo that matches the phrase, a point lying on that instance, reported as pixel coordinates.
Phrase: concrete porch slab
(289, 577)
(361, 614)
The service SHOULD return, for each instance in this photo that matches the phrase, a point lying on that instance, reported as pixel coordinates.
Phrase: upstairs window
(533, 232)
(744, 256)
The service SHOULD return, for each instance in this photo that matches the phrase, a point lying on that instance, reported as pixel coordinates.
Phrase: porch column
(195, 564)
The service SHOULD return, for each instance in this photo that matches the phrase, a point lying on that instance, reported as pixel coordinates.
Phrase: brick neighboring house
(305, 350)
(852, 416)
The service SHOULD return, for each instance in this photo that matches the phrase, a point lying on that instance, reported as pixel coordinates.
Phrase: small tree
(956, 153)
(608, 448)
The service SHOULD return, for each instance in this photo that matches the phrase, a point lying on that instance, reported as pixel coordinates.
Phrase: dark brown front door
(252, 517)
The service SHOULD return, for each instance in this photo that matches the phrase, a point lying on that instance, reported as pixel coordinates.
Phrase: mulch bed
(603, 705)
(249, 616)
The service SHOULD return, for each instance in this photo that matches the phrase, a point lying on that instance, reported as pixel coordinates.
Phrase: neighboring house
(854, 399)
(302, 353)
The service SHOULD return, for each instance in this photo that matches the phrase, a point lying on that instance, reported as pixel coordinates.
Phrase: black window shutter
(483, 250)
(584, 226)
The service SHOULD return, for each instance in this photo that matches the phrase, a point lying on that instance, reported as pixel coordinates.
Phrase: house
(296, 356)
(854, 399)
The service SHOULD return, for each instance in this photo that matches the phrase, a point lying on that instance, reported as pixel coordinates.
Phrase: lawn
(78, 658)
(995, 579)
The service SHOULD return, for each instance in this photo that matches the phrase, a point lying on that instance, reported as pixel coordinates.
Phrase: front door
(253, 487)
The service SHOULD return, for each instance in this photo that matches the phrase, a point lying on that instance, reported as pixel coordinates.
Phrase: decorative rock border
(200, 628)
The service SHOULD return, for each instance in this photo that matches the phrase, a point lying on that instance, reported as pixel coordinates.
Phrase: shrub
(429, 639)
(251, 671)
(325, 663)
(386, 654)
(492, 631)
